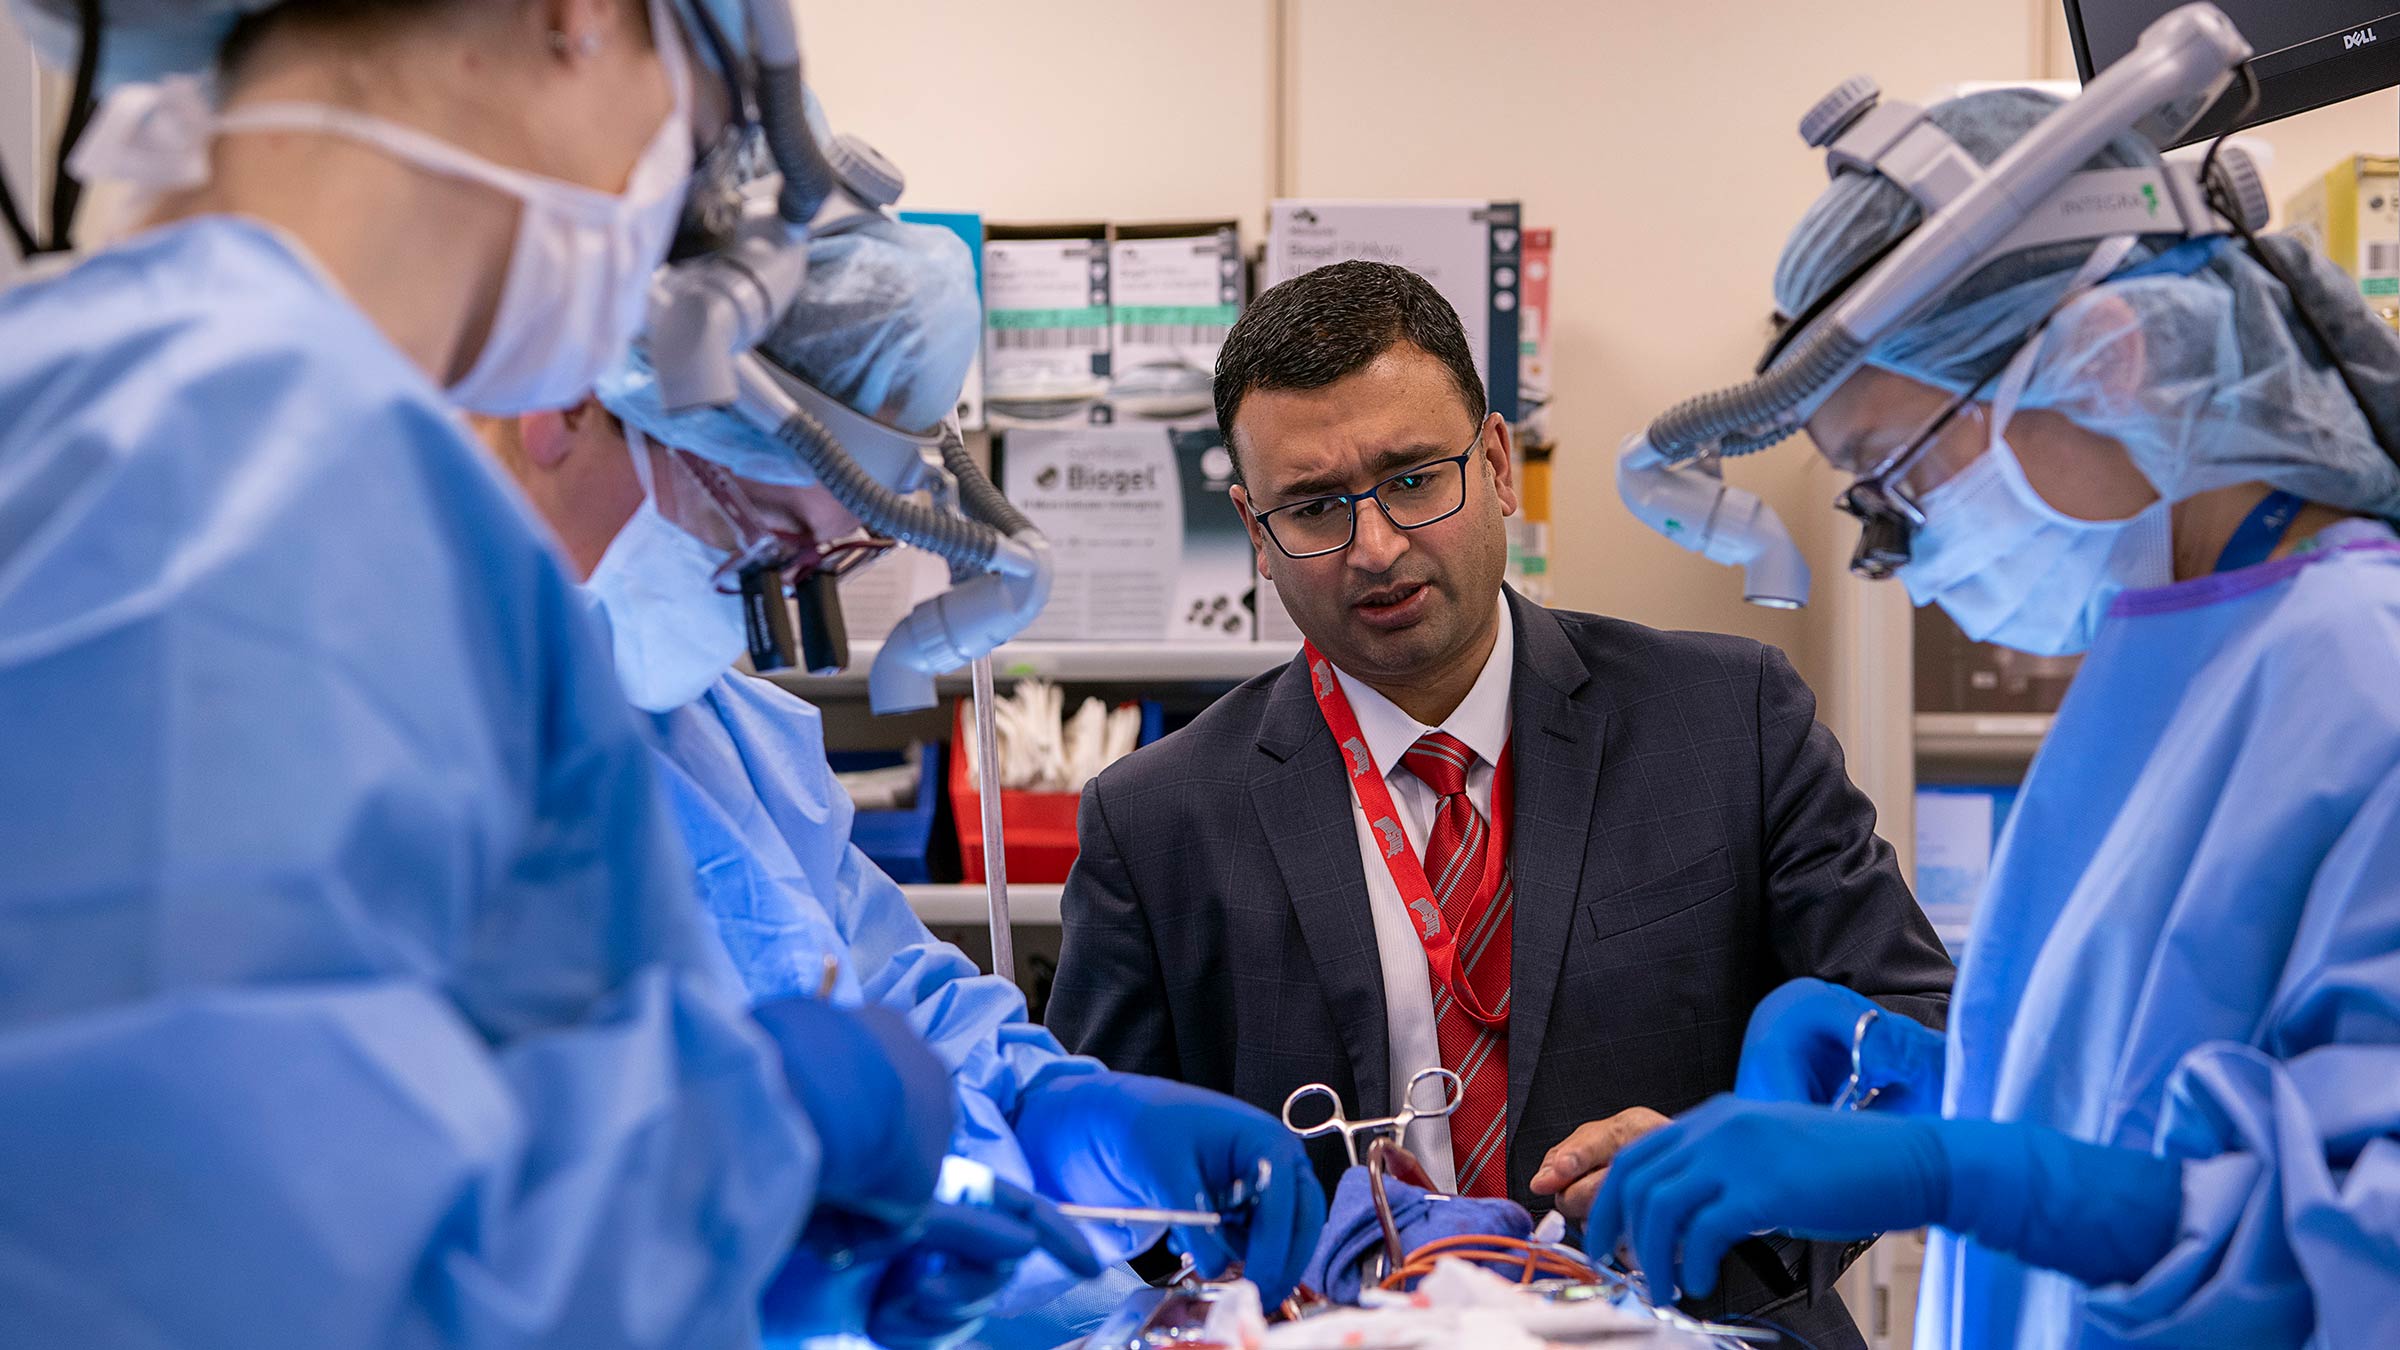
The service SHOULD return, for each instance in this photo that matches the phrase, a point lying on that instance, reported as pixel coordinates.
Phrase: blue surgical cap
(152, 39)
(888, 322)
(2196, 361)
(141, 39)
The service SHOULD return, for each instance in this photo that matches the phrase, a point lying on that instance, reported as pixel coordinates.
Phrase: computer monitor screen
(2310, 52)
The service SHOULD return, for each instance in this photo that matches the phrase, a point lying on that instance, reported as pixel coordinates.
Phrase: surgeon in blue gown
(2168, 1111)
(889, 322)
(351, 992)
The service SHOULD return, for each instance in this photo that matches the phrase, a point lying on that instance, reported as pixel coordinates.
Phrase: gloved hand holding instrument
(939, 1287)
(1115, 1139)
(976, 1235)
(883, 1110)
(1829, 1045)
(1683, 1196)
(930, 1240)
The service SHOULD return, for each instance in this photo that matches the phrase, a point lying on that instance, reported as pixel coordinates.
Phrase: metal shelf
(1981, 739)
(1077, 663)
(957, 906)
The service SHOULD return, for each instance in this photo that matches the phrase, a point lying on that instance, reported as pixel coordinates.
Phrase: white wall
(1659, 141)
(1656, 139)
(1057, 109)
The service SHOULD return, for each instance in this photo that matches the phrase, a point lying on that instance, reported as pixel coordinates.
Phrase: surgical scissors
(1392, 1128)
(1237, 1202)
(1386, 1140)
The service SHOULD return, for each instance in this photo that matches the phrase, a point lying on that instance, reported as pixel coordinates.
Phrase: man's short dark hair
(1333, 322)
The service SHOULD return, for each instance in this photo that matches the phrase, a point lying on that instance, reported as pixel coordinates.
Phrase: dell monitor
(2310, 52)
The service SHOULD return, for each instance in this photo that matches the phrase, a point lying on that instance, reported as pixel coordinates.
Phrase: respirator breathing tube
(976, 493)
(808, 178)
(1670, 476)
(1972, 212)
(999, 563)
(1747, 417)
(970, 545)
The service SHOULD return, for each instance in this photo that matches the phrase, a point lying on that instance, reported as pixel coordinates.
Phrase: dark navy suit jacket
(1685, 840)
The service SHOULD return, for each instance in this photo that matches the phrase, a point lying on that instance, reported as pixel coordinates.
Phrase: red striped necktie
(1471, 884)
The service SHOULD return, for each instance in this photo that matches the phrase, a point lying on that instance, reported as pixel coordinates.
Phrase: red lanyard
(1408, 871)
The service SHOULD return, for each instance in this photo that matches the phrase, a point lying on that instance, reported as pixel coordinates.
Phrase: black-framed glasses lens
(1413, 499)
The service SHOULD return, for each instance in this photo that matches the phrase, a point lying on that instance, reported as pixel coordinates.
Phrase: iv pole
(995, 856)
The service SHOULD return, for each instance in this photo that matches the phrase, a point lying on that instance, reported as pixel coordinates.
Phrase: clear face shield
(2038, 194)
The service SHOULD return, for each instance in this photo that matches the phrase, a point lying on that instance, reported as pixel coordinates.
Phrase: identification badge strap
(2261, 532)
(1407, 870)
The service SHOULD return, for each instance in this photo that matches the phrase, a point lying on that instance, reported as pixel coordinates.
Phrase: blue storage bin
(897, 840)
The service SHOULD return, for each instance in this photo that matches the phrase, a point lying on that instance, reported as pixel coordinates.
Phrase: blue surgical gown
(2190, 943)
(351, 992)
(768, 827)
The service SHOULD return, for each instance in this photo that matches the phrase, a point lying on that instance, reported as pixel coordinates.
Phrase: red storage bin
(1038, 826)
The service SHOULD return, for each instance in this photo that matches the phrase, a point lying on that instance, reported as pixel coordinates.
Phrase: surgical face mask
(672, 632)
(2012, 569)
(578, 281)
(2039, 580)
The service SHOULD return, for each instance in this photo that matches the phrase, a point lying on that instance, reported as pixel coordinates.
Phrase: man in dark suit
(1563, 856)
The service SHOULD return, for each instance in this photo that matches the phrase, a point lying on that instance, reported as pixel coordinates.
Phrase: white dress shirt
(1481, 722)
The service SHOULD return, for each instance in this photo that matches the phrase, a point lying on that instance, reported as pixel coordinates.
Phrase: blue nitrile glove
(883, 1109)
(818, 1295)
(1732, 1168)
(949, 1279)
(1798, 1050)
(1353, 1231)
(1123, 1139)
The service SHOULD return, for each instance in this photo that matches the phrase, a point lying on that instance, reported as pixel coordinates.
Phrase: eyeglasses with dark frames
(1410, 499)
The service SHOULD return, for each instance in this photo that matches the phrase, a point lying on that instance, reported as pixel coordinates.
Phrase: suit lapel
(1556, 742)
(1302, 796)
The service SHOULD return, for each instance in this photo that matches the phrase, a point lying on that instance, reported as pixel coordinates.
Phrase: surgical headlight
(1694, 506)
(2034, 195)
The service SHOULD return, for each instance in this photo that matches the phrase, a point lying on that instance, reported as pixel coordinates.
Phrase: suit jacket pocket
(1690, 886)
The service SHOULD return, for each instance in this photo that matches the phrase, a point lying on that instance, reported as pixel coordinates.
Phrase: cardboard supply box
(1045, 324)
(1148, 547)
(968, 226)
(1956, 674)
(1534, 362)
(1472, 252)
(876, 597)
(1175, 290)
(1529, 530)
(2352, 215)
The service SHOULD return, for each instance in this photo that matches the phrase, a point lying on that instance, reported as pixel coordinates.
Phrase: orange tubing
(1517, 1258)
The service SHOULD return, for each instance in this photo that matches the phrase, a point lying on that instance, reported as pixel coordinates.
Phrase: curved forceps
(1393, 1128)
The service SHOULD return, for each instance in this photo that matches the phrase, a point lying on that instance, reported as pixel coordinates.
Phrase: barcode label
(1172, 334)
(1049, 339)
(2383, 256)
